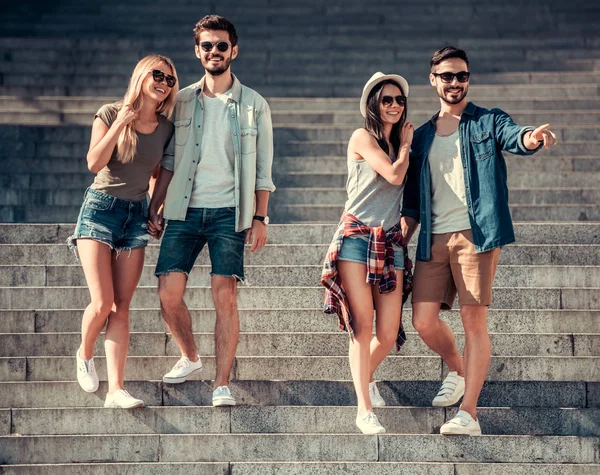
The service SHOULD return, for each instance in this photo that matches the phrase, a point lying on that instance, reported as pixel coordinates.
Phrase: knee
(387, 338)
(224, 292)
(121, 309)
(169, 294)
(102, 307)
(424, 324)
(474, 319)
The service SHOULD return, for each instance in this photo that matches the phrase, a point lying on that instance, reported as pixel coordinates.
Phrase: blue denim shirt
(484, 134)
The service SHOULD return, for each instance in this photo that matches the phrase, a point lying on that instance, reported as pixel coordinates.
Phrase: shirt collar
(234, 93)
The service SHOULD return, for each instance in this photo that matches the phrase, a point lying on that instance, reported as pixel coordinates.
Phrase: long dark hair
(373, 122)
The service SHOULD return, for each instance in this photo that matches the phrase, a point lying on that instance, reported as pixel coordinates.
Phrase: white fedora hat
(376, 79)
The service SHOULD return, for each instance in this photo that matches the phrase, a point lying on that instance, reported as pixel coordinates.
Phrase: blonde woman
(127, 144)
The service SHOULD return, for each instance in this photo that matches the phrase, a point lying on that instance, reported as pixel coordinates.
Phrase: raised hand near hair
(126, 115)
(406, 135)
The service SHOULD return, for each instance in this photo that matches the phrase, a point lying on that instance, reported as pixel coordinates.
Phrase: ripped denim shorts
(120, 224)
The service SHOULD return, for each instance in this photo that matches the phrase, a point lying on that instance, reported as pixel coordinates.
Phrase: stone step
(302, 468)
(540, 394)
(338, 180)
(296, 275)
(314, 254)
(293, 420)
(291, 213)
(526, 233)
(286, 320)
(310, 196)
(297, 447)
(310, 343)
(396, 368)
(336, 148)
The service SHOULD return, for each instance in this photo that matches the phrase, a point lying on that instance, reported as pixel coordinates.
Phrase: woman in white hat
(359, 274)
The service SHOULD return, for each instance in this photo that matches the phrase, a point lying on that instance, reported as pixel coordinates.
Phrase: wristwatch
(262, 219)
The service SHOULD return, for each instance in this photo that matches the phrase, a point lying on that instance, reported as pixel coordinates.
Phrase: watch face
(266, 221)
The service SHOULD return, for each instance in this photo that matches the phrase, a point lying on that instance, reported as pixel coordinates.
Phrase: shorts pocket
(98, 205)
(482, 145)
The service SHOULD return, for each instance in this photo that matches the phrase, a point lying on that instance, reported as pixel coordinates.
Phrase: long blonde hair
(128, 139)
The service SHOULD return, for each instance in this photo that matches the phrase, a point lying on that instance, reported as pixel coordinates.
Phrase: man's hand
(257, 235)
(155, 225)
(540, 135)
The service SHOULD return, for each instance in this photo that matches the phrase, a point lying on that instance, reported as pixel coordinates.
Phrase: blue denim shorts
(183, 241)
(355, 250)
(120, 224)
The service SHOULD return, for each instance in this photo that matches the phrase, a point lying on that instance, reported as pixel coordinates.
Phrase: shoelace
(370, 418)
(182, 363)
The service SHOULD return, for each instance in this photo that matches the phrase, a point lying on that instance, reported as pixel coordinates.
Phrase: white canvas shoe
(453, 388)
(369, 424)
(182, 370)
(376, 399)
(461, 424)
(86, 374)
(123, 400)
(222, 397)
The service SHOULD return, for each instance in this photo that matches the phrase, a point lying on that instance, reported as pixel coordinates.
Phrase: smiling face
(390, 113)
(453, 92)
(215, 62)
(158, 91)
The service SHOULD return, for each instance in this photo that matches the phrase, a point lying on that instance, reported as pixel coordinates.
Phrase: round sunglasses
(207, 46)
(159, 77)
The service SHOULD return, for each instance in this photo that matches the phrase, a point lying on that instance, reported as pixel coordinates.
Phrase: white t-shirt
(449, 201)
(214, 181)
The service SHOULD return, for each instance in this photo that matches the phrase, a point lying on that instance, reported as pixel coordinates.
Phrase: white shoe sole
(93, 390)
(223, 401)
(372, 431)
(130, 406)
(457, 431)
(181, 379)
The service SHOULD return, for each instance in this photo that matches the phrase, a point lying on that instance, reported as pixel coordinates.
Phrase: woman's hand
(406, 135)
(126, 115)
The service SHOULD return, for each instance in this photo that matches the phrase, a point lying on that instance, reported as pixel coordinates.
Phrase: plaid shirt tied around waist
(380, 269)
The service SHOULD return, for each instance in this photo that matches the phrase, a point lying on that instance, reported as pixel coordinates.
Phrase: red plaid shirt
(380, 268)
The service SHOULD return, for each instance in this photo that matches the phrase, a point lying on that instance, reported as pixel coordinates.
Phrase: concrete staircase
(540, 408)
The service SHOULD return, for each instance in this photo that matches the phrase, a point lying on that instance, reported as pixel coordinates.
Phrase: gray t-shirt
(130, 181)
(449, 199)
(214, 182)
(371, 198)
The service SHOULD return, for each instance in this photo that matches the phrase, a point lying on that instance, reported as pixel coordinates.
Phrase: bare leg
(478, 352)
(436, 334)
(388, 308)
(95, 259)
(127, 270)
(360, 298)
(227, 327)
(171, 288)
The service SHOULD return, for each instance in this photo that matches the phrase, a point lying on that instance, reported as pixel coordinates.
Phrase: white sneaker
(376, 399)
(461, 424)
(182, 369)
(222, 397)
(122, 399)
(453, 388)
(86, 374)
(369, 424)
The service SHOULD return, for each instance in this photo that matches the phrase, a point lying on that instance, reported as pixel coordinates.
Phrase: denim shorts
(355, 250)
(120, 224)
(183, 241)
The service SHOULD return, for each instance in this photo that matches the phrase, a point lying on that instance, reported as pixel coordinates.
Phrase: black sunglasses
(159, 77)
(463, 76)
(389, 100)
(207, 46)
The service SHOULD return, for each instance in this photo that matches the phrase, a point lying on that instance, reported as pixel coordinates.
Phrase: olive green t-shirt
(129, 181)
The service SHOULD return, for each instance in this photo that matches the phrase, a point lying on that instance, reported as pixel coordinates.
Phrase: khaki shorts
(454, 268)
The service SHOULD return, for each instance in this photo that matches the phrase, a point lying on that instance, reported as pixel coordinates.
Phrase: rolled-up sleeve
(264, 150)
(510, 135)
(168, 158)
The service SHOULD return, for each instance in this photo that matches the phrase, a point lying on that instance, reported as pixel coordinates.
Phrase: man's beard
(219, 69)
(453, 101)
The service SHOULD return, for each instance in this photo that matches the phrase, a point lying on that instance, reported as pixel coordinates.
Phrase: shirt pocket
(482, 145)
(248, 138)
(182, 131)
